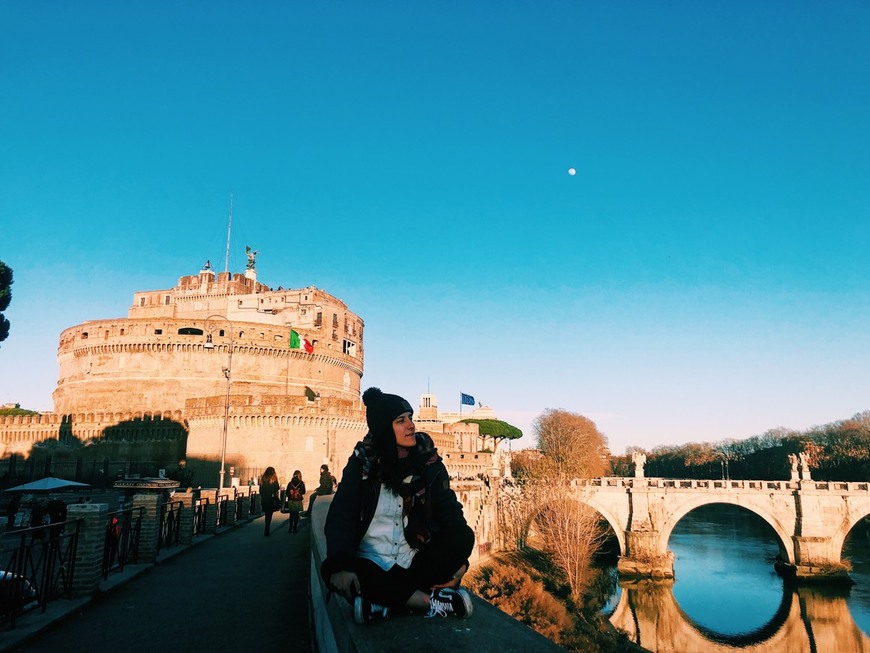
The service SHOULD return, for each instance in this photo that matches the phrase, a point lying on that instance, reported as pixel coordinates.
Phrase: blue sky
(703, 276)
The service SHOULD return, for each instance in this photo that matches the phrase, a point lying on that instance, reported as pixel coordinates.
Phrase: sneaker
(446, 601)
(364, 611)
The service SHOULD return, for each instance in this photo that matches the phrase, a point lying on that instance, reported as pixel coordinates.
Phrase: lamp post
(209, 344)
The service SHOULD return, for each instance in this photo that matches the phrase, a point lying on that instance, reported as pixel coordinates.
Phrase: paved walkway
(234, 591)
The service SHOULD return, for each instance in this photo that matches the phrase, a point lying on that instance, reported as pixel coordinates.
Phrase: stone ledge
(488, 629)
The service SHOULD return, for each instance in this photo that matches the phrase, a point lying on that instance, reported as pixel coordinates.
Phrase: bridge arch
(615, 525)
(528, 525)
(783, 536)
(838, 539)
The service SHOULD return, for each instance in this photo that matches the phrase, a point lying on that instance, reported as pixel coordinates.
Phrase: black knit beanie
(381, 410)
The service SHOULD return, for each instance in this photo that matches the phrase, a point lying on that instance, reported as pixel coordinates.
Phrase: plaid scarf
(416, 506)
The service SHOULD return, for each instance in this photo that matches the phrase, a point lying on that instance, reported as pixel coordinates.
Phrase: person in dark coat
(326, 486)
(396, 477)
(269, 489)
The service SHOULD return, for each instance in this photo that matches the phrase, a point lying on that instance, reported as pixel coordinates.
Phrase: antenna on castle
(229, 229)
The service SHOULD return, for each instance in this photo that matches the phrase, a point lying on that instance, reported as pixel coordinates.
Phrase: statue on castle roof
(207, 265)
(252, 257)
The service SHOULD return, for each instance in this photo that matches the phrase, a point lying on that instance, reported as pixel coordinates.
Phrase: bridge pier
(643, 558)
(816, 552)
(816, 560)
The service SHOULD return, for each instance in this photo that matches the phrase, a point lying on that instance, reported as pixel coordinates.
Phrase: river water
(727, 596)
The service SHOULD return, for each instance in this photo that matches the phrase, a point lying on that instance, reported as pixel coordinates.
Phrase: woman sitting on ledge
(395, 532)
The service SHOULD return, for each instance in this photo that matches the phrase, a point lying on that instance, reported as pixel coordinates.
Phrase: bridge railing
(724, 484)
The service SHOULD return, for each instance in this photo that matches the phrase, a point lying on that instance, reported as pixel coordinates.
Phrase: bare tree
(515, 509)
(570, 531)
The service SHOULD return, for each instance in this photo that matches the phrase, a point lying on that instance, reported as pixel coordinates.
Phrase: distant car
(14, 594)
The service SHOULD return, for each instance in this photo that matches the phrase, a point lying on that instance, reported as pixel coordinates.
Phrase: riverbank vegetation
(546, 575)
(529, 586)
(839, 451)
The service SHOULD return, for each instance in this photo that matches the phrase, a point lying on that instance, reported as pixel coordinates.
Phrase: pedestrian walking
(269, 489)
(293, 497)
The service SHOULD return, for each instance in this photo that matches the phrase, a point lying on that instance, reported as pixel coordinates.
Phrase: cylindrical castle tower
(174, 345)
(221, 345)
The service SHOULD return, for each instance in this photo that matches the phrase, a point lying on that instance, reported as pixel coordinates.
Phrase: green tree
(5, 298)
(495, 429)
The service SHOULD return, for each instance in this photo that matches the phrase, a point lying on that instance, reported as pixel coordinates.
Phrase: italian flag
(298, 342)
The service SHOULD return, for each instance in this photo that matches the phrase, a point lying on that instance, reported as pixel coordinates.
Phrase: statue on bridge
(805, 466)
(639, 460)
(793, 460)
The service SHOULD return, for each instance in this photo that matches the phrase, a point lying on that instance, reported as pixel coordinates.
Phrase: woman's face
(403, 427)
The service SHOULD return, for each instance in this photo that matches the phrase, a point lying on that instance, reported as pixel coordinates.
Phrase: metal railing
(37, 566)
(239, 513)
(170, 525)
(199, 509)
(123, 529)
(223, 501)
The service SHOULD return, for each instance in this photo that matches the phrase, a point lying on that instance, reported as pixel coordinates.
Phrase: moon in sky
(572, 172)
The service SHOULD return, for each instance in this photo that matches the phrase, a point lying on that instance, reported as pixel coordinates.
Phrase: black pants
(433, 564)
(294, 520)
(268, 517)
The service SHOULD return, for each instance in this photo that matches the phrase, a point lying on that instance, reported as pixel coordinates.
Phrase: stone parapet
(149, 529)
(91, 546)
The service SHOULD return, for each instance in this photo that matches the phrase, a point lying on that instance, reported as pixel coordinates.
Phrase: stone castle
(214, 355)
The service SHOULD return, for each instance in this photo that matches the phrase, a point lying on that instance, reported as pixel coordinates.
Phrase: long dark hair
(269, 476)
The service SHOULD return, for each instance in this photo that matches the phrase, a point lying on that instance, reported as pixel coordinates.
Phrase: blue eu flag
(468, 400)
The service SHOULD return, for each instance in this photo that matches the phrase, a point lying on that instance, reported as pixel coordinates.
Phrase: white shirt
(384, 542)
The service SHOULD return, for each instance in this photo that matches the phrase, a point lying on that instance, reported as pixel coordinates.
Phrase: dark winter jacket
(269, 492)
(356, 499)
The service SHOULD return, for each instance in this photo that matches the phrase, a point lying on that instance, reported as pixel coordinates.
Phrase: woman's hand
(345, 583)
(455, 580)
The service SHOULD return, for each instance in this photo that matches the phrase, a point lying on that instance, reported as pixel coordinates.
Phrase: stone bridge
(811, 519)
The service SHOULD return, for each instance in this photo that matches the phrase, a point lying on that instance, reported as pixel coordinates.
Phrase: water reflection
(727, 597)
(808, 620)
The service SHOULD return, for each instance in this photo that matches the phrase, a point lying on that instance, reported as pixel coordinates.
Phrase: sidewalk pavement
(233, 591)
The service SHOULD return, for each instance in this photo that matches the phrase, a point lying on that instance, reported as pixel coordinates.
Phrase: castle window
(190, 331)
(334, 321)
(123, 331)
(349, 348)
(158, 332)
(166, 300)
(141, 301)
(84, 335)
(318, 319)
